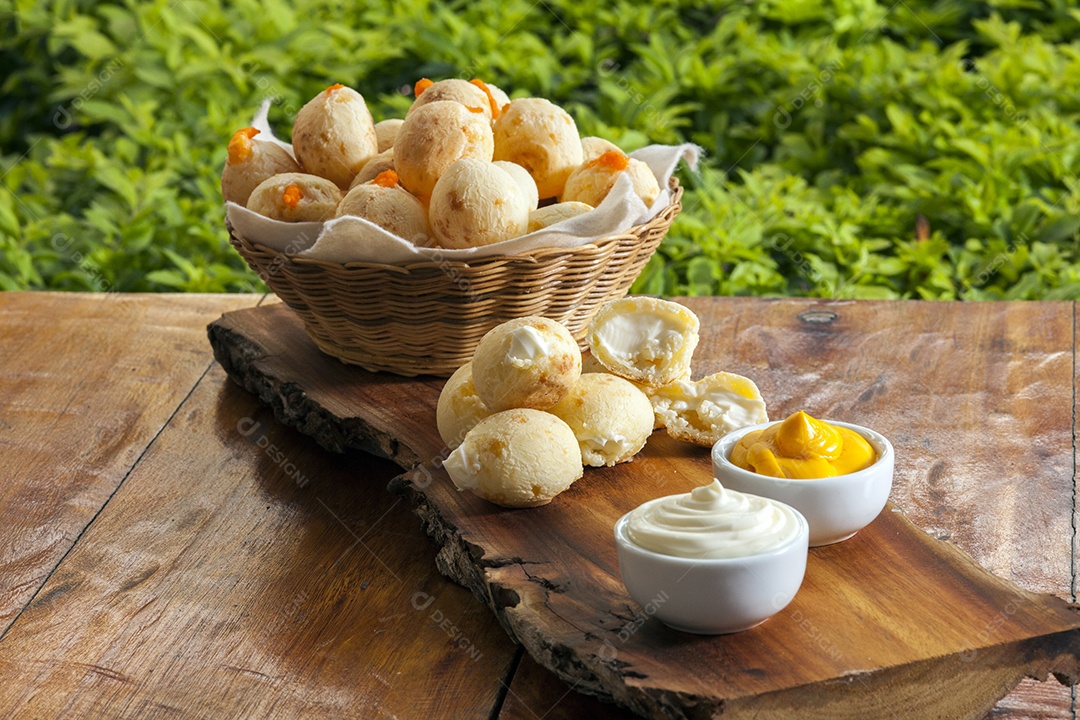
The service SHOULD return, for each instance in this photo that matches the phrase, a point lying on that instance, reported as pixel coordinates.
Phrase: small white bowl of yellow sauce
(712, 561)
(838, 475)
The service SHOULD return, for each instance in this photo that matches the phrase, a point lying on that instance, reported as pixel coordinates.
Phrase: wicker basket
(427, 317)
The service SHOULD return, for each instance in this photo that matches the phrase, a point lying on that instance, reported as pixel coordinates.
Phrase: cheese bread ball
(516, 458)
(523, 179)
(386, 133)
(526, 362)
(251, 161)
(593, 147)
(644, 339)
(590, 364)
(378, 164)
(651, 391)
(476, 203)
(334, 135)
(434, 137)
(540, 137)
(295, 197)
(705, 410)
(610, 417)
(497, 99)
(500, 97)
(551, 214)
(459, 408)
(388, 205)
(591, 182)
(471, 95)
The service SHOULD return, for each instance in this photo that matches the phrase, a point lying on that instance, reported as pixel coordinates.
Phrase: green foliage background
(854, 148)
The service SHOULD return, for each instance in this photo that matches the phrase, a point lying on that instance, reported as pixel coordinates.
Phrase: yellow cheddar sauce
(803, 448)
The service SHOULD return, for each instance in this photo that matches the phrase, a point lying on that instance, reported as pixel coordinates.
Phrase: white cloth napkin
(353, 239)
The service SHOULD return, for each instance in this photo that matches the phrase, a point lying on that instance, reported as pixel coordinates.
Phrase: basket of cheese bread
(401, 243)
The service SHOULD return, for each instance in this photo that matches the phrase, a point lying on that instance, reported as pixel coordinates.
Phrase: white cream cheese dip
(712, 522)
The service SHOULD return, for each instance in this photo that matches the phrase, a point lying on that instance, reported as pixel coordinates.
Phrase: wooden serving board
(890, 623)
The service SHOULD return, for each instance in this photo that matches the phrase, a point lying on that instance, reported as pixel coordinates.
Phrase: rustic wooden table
(162, 558)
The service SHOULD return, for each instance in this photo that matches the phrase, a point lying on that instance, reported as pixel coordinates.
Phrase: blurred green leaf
(849, 150)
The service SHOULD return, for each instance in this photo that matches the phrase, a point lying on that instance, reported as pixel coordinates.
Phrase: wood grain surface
(978, 401)
(979, 396)
(242, 571)
(86, 382)
(259, 603)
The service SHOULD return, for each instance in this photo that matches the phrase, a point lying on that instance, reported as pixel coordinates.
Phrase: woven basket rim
(532, 256)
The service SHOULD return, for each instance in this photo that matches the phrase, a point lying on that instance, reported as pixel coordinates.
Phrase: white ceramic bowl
(712, 596)
(836, 507)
